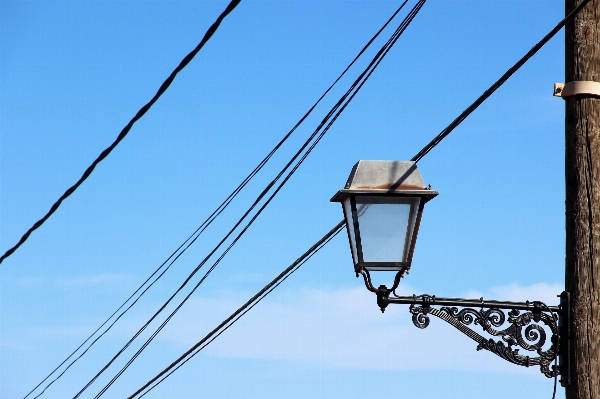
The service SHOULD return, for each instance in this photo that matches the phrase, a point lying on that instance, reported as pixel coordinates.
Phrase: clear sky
(73, 73)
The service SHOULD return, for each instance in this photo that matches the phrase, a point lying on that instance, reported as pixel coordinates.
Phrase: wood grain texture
(582, 167)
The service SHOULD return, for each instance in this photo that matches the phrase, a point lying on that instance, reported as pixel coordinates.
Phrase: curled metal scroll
(524, 331)
(382, 288)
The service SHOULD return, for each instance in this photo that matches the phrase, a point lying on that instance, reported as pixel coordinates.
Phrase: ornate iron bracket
(521, 328)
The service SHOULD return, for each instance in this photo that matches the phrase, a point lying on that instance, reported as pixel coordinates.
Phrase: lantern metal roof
(387, 178)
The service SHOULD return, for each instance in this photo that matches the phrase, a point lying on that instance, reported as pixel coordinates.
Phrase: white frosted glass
(383, 228)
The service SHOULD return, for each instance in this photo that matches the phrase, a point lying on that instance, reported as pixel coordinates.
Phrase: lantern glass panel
(386, 226)
(350, 227)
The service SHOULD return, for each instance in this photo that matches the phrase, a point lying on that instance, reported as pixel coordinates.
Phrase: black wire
(205, 225)
(245, 311)
(165, 85)
(486, 94)
(457, 121)
(465, 113)
(210, 337)
(208, 221)
(432, 144)
(451, 127)
(339, 107)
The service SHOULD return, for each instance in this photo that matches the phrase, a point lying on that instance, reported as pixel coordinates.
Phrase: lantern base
(382, 292)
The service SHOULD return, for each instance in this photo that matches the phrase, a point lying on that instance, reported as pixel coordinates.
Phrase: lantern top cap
(385, 178)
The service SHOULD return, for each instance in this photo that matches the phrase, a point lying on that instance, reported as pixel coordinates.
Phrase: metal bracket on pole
(564, 346)
(527, 325)
(583, 88)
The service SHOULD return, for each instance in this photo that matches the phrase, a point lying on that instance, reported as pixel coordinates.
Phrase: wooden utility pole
(582, 167)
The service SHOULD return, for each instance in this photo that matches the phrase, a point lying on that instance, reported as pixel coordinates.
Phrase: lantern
(383, 202)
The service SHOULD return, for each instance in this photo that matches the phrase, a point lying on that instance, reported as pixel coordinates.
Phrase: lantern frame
(383, 182)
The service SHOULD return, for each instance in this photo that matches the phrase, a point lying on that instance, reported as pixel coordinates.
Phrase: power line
(465, 113)
(195, 235)
(199, 346)
(165, 85)
(331, 117)
(372, 66)
(235, 316)
(486, 94)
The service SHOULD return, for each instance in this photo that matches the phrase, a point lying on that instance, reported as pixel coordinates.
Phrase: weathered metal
(389, 183)
(385, 178)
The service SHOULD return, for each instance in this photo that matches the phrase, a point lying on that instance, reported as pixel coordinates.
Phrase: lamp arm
(524, 327)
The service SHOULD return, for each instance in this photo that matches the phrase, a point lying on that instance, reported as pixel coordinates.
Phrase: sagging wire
(329, 119)
(221, 328)
(486, 94)
(163, 87)
(416, 158)
(203, 226)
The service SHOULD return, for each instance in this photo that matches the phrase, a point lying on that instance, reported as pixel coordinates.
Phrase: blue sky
(72, 74)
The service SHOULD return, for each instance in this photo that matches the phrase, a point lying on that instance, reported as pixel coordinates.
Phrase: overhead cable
(215, 333)
(328, 121)
(235, 316)
(486, 94)
(203, 226)
(165, 85)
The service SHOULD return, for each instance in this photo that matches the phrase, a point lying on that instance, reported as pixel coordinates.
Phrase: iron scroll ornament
(524, 332)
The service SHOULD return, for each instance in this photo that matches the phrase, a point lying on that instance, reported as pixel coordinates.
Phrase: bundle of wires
(296, 161)
(293, 166)
(298, 158)
(151, 384)
(235, 316)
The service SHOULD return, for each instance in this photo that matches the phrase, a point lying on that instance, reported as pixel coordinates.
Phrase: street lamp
(383, 203)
